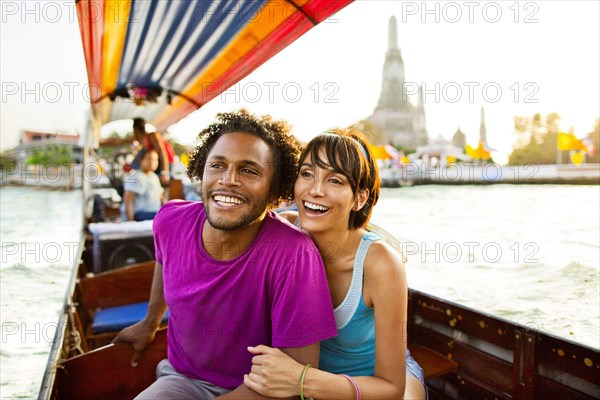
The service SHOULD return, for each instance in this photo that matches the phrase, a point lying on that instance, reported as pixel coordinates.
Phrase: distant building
(32, 140)
(459, 139)
(438, 153)
(401, 123)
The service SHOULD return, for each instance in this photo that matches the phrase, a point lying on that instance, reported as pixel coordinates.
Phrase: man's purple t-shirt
(274, 293)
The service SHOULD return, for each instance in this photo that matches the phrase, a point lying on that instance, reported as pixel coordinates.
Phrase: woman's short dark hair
(285, 149)
(348, 153)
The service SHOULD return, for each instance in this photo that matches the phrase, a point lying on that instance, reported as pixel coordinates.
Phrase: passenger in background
(150, 141)
(157, 142)
(143, 193)
(335, 191)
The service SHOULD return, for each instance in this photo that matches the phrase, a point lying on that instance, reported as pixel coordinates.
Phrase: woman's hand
(274, 373)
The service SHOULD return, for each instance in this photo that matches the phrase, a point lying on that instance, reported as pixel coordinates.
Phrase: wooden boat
(464, 353)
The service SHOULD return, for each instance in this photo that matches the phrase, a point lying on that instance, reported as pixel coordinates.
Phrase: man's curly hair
(285, 149)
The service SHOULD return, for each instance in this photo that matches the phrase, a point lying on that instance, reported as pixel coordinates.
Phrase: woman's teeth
(314, 207)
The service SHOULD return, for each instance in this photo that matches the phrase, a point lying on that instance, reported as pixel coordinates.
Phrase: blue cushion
(113, 319)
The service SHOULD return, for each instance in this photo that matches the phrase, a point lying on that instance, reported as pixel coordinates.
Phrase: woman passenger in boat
(143, 194)
(154, 141)
(336, 189)
(148, 141)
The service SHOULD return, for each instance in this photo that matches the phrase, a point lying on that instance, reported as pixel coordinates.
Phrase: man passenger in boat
(143, 194)
(232, 273)
(335, 192)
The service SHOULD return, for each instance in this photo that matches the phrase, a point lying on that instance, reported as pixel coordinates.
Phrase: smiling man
(232, 273)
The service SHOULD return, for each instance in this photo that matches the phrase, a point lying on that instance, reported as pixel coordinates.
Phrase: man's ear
(361, 200)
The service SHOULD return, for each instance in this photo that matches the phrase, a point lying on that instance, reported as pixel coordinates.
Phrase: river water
(530, 254)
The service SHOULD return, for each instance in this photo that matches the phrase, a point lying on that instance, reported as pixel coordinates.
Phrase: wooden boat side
(85, 294)
(497, 358)
(106, 372)
(57, 351)
(126, 285)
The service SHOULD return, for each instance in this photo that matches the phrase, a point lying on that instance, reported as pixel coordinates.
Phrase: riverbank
(467, 173)
(48, 177)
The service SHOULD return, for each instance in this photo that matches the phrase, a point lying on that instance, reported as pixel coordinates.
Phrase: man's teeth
(227, 201)
(317, 207)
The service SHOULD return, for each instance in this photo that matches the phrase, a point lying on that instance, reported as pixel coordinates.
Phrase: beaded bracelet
(302, 381)
(353, 382)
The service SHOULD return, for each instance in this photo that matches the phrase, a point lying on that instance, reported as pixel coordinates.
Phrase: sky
(512, 58)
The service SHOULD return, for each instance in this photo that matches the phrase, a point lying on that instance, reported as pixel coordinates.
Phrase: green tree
(7, 161)
(51, 155)
(537, 138)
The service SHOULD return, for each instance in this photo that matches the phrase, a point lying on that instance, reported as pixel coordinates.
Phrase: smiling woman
(342, 164)
(336, 190)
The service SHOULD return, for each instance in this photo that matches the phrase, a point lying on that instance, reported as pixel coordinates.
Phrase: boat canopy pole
(143, 95)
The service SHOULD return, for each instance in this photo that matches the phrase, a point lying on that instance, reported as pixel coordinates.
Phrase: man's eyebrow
(242, 162)
(253, 164)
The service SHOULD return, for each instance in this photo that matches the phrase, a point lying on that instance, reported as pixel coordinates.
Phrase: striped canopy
(171, 57)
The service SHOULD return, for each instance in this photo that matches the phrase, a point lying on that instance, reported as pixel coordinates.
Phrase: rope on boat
(74, 335)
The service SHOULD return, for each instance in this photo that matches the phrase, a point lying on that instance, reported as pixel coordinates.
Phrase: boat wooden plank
(465, 386)
(126, 285)
(549, 389)
(475, 324)
(471, 361)
(106, 373)
(433, 363)
(176, 189)
(524, 367)
(434, 394)
(576, 360)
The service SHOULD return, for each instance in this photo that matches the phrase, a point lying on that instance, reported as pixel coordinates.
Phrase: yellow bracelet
(302, 381)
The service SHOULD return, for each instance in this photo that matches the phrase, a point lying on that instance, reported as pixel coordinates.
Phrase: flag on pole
(479, 153)
(568, 141)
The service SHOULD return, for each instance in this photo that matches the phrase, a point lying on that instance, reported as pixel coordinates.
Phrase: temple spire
(392, 34)
(482, 130)
(401, 122)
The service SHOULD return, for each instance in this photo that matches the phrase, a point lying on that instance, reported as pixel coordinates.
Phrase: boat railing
(497, 358)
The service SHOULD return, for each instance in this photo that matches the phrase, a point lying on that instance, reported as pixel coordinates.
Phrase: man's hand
(140, 335)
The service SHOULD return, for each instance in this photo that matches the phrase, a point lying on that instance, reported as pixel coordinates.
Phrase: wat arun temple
(401, 123)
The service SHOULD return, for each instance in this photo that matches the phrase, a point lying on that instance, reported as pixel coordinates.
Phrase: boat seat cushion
(113, 319)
